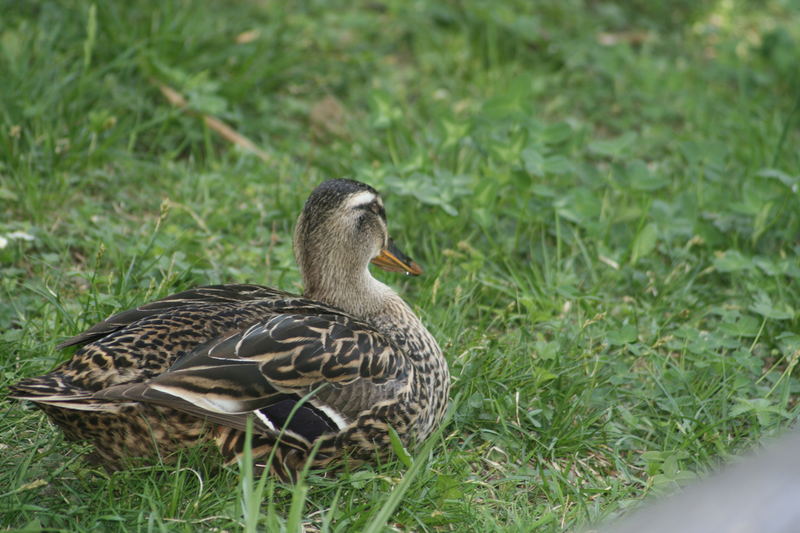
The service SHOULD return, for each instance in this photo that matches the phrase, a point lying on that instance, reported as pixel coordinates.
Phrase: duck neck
(354, 291)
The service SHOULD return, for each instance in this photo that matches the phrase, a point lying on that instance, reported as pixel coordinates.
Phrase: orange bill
(393, 260)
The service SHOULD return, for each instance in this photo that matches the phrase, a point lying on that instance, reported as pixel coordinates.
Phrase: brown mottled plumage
(337, 366)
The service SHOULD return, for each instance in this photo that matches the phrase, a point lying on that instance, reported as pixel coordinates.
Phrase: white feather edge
(265, 419)
(215, 405)
(228, 406)
(333, 414)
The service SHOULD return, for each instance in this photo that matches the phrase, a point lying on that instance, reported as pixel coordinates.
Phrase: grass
(605, 200)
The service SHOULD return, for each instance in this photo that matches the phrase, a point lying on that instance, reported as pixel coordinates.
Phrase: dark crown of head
(330, 194)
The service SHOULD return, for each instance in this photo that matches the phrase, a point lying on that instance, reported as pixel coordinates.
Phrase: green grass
(605, 200)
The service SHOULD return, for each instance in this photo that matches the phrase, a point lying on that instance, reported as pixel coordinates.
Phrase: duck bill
(393, 260)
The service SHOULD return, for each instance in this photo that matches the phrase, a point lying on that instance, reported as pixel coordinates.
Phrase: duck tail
(56, 391)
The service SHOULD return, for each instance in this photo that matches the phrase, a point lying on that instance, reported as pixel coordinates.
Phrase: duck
(317, 380)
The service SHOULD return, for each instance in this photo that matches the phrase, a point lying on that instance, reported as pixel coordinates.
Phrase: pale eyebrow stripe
(361, 198)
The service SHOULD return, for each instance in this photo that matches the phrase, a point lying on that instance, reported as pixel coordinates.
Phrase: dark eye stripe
(375, 207)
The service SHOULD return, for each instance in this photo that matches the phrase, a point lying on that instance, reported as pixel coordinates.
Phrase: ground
(604, 198)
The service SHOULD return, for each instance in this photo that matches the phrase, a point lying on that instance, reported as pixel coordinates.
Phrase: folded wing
(293, 372)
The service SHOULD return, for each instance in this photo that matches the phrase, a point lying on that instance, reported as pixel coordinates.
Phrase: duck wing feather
(306, 374)
(199, 295)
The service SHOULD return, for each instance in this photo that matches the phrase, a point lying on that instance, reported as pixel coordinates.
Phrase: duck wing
(199, 295)
(307, 375)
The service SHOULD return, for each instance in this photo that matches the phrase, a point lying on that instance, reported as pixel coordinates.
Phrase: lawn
(604, 197)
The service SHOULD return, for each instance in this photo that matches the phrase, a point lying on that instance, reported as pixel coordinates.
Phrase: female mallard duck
(334, 368)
